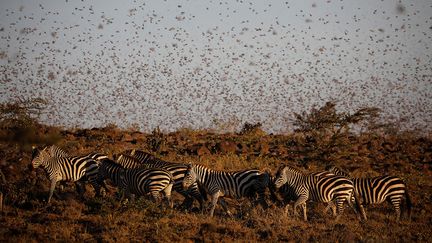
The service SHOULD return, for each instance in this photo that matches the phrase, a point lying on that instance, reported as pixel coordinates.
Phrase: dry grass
(25, 216)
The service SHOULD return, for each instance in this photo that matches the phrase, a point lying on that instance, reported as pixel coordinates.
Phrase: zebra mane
(111, 162)
(289, 168)
(41, 154)
(192, 165)
(124, 159)
(141, 156)
(337, 171)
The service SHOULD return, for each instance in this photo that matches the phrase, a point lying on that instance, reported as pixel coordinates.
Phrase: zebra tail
(408, 203)
(358, 205)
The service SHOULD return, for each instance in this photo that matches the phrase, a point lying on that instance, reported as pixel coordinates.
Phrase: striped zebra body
(139, 181)
(73, 169)
(379, 189)
(176, 169)
(287, 191)
(318, 187)
(221, 184)
(56, 151)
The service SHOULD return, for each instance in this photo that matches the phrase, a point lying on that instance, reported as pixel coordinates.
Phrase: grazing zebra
(219, 184)
(144, 160)
(139, 181)
(376, 190)
(321, 187)
(74, 169)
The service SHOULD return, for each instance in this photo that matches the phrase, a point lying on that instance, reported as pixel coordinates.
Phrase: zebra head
(40, 156)
(281, 178)
(286, 174)
(190, 176)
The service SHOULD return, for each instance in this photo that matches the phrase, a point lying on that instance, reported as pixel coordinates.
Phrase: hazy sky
(200, 64)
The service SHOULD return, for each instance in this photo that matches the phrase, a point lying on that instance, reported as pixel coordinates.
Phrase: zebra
(76, 168)
(139, 181)
(320, 186)
(219, 184)
(376, 190)
(145, 160)
(288, 193)
(56, 151)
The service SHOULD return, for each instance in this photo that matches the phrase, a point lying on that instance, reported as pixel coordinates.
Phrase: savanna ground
(322, 137)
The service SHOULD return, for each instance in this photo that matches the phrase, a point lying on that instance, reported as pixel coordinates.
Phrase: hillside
(26, 217)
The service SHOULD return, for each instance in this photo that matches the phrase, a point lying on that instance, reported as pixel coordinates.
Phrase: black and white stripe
(139, 181)
(320, 187)
(75, 168)
(145, 160)
(219, 184)
(56, 151)
(141, 156)
(376, 190)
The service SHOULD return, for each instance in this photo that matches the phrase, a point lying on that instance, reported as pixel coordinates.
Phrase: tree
(19, 119)
(327, 132)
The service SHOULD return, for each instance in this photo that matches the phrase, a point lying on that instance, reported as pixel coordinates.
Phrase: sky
(216, 64)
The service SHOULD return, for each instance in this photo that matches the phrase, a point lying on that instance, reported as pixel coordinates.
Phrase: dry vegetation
(323, 137)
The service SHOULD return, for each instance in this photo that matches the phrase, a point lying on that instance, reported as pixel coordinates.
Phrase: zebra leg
(340, 207)
(304, 211)
(396, 202)
(225, 207)
(167, 192)
(97, 187)
(356, 199)
(187, 202)
(331, 206)
(53, 185)
(286, 209)
(261, 200)
(80, 188)
(301, 201)
(214, 201)
(155, 196)
(201, 202)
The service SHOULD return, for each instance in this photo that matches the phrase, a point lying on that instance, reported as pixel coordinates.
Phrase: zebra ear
(189, 165)
(132, 153)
